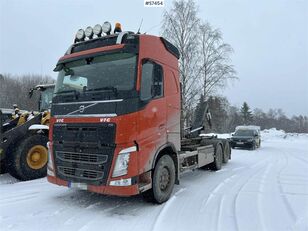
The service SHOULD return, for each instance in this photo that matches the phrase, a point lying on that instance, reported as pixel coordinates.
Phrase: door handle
(161, 126)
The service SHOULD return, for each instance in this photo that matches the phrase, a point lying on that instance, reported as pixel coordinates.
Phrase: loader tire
(226, 153)
(29, 159)
(3, 167)
(162, 182)
(216, 165)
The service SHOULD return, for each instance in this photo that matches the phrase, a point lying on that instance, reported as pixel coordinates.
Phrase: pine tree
(246, 114)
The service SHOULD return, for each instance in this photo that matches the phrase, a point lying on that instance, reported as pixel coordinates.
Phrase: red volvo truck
(115, 118)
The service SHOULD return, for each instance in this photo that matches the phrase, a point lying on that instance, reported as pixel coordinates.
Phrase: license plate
(81, 186)
(240, 142)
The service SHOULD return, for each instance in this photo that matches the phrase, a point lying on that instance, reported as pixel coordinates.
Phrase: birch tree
(180, 26)
(204, 62)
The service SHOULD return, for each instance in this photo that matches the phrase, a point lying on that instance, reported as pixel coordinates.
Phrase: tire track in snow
(163, 213)
(16, 199)
(237, 196)
(302, 160)
(284, 198)
(234, 183)
(259, 198)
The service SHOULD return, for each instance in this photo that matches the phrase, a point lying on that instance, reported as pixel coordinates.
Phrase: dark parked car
(246, 138)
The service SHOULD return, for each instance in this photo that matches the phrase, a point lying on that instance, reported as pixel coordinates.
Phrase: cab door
(152, 118)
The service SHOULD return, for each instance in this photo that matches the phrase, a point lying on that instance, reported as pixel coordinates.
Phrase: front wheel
(253, 146)
(259, 144)
(162, 181)
(29, 160)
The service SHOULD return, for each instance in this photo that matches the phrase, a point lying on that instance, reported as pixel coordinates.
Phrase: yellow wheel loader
(23, 151)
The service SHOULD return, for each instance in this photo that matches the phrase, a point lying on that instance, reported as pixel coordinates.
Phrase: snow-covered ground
(264, 189)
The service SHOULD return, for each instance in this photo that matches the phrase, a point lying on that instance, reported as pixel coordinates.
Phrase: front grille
(82, 157)
(79, 173)
(84, 152)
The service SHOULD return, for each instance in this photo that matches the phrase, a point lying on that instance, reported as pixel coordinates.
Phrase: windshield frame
(42, 103)
(251, 132)
(84, 60)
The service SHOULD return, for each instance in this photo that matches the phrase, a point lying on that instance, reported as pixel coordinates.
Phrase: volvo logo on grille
(81, 109)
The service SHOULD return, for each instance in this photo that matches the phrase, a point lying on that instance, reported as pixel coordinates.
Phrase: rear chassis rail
(197, 152)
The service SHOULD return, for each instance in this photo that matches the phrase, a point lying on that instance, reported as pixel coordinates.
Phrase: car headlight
(121, 165)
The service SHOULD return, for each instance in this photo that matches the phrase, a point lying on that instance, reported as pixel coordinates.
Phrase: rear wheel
(162, 181)
(216, 165)
(29, 160)
(226, 153)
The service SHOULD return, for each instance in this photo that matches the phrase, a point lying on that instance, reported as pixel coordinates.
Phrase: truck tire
(29, 159)
(162, 181)
(3, 167)
(216, 165)
(226, 152)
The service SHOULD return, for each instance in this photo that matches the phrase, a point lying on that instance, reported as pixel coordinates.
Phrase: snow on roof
(258, 128)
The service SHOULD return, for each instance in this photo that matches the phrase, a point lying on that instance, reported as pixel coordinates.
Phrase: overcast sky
(269, 37)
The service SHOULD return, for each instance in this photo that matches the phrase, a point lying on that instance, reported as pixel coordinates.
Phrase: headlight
(50, 169)
(97, 30)
(106, 27)
(89, 32)
(50, 162)
(80, 34)
(121, 166)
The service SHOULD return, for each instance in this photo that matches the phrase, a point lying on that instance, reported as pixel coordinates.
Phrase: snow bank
(269, 134)
(274, 134)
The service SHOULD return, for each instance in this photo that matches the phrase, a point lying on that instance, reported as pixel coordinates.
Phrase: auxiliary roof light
(117, 28)
(89, 32)
(106, 28)
(97, 30)
(80, 35)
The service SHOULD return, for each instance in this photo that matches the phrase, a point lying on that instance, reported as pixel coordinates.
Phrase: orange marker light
(117, 28)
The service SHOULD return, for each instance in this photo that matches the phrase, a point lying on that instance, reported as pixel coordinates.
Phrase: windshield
(46, 97)
(108, 72)
(244, 133)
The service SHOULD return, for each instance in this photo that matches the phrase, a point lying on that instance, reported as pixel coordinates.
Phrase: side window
(146, 81)
(158, 81)
(151, 81)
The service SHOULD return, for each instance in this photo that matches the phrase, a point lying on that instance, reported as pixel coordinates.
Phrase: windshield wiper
(114, 89)
(76, 93)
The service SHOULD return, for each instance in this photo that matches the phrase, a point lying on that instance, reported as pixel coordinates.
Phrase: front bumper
(241, 143)
(107, 189)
